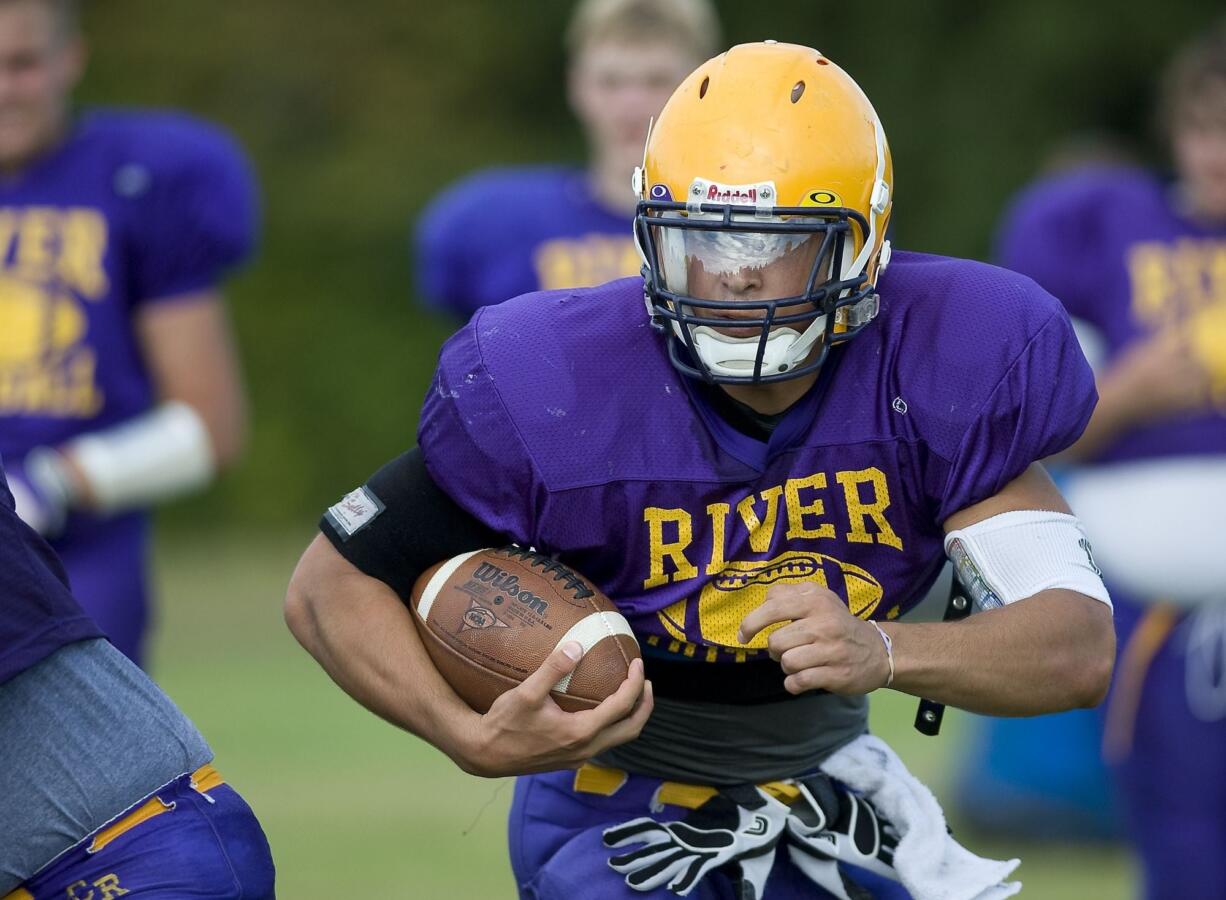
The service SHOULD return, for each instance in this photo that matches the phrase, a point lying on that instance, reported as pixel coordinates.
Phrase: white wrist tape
(1017, 554)
(153, 457)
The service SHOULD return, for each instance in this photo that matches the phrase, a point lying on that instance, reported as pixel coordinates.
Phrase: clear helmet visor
(738, 266)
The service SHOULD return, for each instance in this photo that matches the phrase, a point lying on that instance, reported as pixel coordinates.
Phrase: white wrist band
(889, 650)
(1017, 554)
(155, 456)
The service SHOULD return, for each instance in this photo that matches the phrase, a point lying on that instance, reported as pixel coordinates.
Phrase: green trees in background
(357, 113)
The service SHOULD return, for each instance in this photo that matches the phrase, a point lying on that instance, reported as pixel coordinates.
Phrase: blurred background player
(505, 232)
(1007, 782)
(119, 384)
(106, 788)
(1140, 259)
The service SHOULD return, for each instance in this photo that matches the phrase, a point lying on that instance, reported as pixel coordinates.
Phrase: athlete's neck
(12, 167)
(774, 397)
(1191, 206)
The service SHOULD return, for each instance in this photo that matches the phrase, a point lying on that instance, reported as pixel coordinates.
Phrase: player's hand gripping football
(525, 731)
(822, 645)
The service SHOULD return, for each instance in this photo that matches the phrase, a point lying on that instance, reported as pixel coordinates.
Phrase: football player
(1140, 261)
(119, 386)
(107, 789)
(505, 232)
(765, 471)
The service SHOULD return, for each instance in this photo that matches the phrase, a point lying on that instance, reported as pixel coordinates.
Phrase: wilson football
(491, 617)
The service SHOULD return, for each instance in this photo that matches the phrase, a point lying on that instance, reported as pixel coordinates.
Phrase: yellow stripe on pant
(593, 779)
(204, 780)
(1147, 638)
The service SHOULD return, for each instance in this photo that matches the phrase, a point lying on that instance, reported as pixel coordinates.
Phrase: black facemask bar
(822, 297)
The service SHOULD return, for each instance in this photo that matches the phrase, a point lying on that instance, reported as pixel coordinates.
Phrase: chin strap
(860, 313)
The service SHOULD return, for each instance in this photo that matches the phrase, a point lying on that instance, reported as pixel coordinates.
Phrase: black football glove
(829, 825)
(738, 828)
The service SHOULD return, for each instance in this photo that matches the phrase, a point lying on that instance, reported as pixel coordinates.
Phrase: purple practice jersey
(508, 232)
(130, 209)
(1111, 246)
(558, 420)
(38, 614)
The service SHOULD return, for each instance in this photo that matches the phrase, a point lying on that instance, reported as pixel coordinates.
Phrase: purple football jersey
(507, 232)
(558, 420)
(1111, 246)
(129, 209)
(38, 614)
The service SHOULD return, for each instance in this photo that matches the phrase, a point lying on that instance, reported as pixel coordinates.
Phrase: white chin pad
(726, 355)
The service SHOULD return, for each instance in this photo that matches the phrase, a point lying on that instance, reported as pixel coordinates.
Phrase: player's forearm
(1048, 653)
(362, 635)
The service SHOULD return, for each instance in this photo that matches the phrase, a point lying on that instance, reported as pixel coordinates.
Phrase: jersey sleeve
(472, 447)
(1053, 232)
(1039, 407)
(38, 614)
(199, 216)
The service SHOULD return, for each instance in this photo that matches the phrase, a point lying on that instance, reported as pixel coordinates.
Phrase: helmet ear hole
(702, 88)
(798, 91)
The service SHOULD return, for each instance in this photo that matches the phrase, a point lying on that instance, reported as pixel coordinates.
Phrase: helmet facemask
(746, 291)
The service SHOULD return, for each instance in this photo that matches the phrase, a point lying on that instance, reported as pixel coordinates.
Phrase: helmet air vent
(798, 90)
(702, 88)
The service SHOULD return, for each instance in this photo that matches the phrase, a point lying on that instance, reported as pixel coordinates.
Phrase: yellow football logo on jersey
(35, 323)
(1206, 332)
(741, 588)
(46, 367)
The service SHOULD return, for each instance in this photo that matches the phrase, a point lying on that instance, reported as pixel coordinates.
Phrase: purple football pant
(1172, 779)
(206, 845)
(557, 853)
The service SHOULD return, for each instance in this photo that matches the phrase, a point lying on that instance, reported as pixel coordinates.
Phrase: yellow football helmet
(764, 196)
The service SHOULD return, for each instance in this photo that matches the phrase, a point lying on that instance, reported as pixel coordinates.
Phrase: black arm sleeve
(415, 526)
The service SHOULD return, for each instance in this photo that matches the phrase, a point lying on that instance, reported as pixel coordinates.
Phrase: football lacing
(548, 564)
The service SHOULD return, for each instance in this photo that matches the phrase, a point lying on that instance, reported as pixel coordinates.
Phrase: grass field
(355, 808)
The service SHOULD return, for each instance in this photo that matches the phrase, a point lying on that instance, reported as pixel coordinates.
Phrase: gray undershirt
(84, 734)
(723, 744)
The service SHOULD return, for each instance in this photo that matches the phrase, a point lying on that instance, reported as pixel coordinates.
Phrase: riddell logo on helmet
(716, 194)
(736, 194)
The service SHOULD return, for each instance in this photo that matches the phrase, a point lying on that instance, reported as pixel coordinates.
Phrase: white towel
(930, 863)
